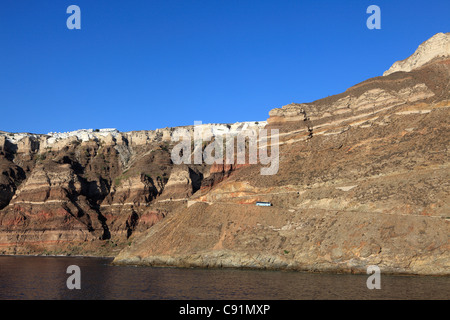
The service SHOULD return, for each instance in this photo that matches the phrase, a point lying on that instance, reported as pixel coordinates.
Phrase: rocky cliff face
(89, 191)
(362, 180)
(436, 47)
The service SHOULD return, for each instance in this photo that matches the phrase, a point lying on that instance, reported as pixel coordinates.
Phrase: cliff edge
(436, 47)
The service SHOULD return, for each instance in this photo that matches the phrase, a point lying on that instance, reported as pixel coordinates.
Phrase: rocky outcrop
(49, 208)
(436, 47)
(183, 182)
(353, 106)
(10, 177)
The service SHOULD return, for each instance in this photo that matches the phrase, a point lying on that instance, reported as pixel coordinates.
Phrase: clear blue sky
(142, 65)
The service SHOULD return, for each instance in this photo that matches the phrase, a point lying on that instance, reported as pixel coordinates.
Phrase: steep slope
(363, 179)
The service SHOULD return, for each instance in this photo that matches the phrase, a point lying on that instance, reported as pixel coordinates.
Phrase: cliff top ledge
(216, 129)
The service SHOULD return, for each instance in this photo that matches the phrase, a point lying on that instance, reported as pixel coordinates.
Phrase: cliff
(86, 192)
(362, 180)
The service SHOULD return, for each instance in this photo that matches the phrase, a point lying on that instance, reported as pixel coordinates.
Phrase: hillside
(362, 179)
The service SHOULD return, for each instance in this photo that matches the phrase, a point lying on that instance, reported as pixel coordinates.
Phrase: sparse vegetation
(75, 143)
(118, 180)
(41, 157)
(164, 146)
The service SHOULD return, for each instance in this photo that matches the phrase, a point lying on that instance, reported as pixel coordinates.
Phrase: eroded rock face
(184, 181)
(362, 181)
(352, 106)
(53, 198)
(90, 191)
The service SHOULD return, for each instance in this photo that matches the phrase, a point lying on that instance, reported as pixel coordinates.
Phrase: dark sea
(45, 278)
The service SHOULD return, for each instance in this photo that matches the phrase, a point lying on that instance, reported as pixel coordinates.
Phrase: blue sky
(142, 65)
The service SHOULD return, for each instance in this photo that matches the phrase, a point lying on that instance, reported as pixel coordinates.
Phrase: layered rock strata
(363, 180)
(91, 191)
